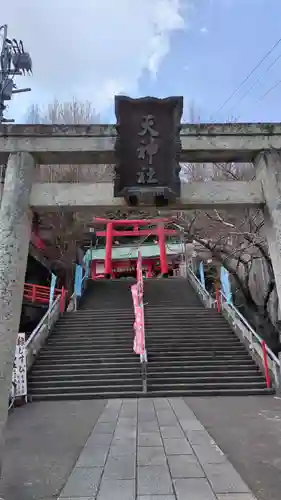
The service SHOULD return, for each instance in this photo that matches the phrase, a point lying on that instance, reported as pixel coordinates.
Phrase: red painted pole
(108, 250)
(93, 269)
(265, 362)
(62, 300)
(218, 297)
(162, 248)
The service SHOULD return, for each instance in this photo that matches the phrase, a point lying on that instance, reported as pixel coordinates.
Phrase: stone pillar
(108, 250)
(15, 229)
(269, 172)
(162, 248)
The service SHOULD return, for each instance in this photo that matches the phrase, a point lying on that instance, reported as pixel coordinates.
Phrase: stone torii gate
(24, 146)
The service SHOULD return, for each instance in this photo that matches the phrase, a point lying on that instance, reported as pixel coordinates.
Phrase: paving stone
(193, 489)
(166, 417)
(149, 439)
(145, 403)
(123, 489)
(184, 466)
(156, 497)
(123, 433)
(108, 416)
(122, 467)
(114, 404)
(104, 428)
(146, 417)
(236, 496)
(154, 455)
(209, 453)
(82, 482)
(96, 439)
(154, 480)
(224, 478)
(123, 447)
(127, 421)
(172, 432)
(191, 425)
(181, 409)
(150, 426)
(128, 412)
(177, 447)
(68, 498)
(161, 403)
(201, 437)
(93, 457)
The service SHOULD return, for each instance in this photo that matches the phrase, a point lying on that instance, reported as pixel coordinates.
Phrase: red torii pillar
(108, 250)
(162, 248)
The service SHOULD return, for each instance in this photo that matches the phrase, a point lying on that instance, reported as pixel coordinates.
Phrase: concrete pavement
(43, 441)
(152, 449)
(248, 429)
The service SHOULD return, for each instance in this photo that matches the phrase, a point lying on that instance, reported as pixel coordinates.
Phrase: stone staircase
(89, 354)
(191, 350)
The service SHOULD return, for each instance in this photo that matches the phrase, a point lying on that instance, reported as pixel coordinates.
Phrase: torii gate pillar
(15, 230)
(268, 165)
(108, 250)
(162, 249)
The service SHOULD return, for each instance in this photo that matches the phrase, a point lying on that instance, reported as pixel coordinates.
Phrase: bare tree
(66, 230)
(236, 240)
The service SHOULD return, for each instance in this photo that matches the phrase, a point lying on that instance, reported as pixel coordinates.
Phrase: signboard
(147, 146)
(19, 380)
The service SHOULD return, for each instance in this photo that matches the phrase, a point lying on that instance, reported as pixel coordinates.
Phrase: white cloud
(91, 48)
(204, 30)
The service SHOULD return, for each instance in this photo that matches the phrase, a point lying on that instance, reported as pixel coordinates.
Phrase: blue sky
(201, 49)
(207, 62)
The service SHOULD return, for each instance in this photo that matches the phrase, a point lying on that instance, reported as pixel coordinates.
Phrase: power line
(270, 90)
(249, 75)
(256, 82)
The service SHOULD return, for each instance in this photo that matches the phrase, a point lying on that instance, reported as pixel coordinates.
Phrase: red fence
(38, 293)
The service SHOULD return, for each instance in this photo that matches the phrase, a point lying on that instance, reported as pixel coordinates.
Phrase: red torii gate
(110, 232)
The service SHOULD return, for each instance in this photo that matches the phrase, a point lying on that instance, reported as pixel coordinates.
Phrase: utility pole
(14, 61)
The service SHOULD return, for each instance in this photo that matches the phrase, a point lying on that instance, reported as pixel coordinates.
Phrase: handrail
(265, 353)
(42, 321)
(207, 299)
(42, 330)
(72, 303)
(250, 328)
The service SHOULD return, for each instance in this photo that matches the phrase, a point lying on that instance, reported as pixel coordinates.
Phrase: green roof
(131, 252)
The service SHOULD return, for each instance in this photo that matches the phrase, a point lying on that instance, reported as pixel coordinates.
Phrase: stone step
(82, 370)
(80, 396)
(65, 382)
(107, 342)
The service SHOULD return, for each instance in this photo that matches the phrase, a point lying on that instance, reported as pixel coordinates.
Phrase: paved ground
(248, 430)
(152, 450)
(42, 446)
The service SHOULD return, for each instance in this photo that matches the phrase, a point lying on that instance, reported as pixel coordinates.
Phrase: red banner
(139, 344)
(137, 295)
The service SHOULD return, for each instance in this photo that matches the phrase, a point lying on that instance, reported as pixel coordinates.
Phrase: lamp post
(14, 61)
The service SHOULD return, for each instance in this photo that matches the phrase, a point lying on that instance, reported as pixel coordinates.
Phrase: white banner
(19, 380)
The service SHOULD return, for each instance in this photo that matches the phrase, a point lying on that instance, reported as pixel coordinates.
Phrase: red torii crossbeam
(138, 232)
(110, 232)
